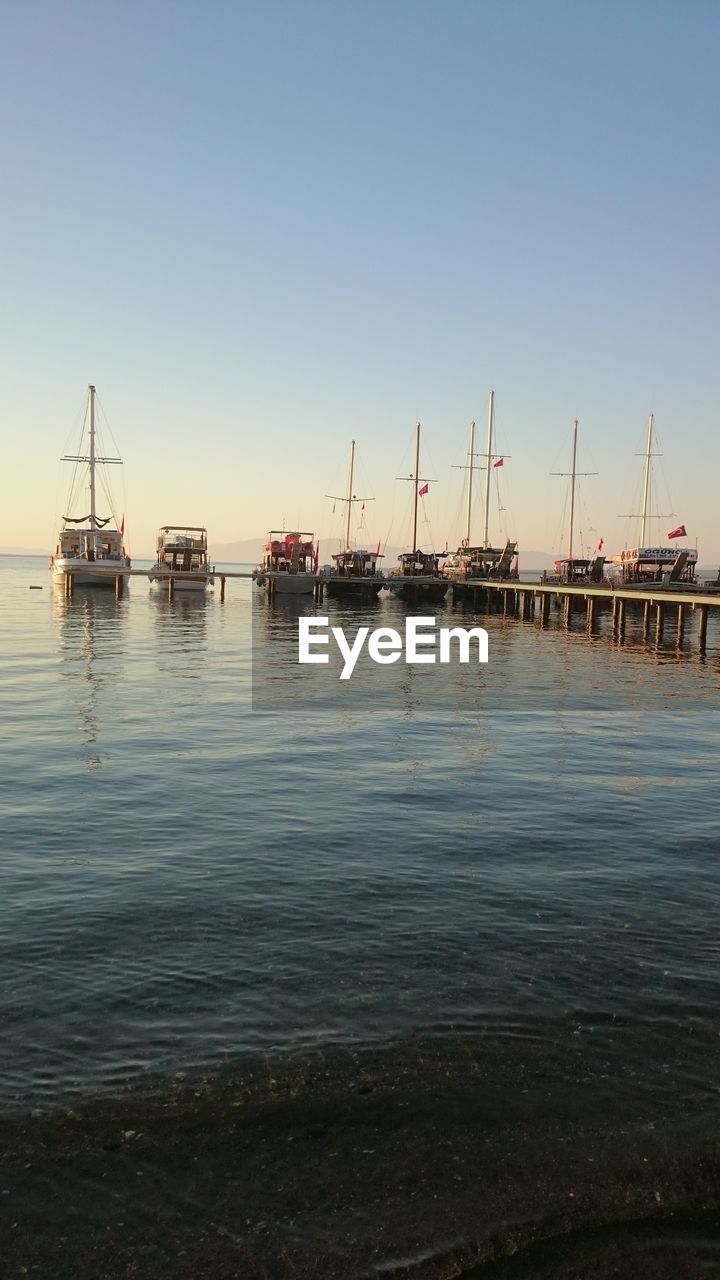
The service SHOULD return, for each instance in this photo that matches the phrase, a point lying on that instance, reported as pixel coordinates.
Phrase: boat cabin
(414, 564)
(104, 545)
(182, 548)
(356, 564)
(577, 570)
(671, 565)
(290, 552)
(481, 562)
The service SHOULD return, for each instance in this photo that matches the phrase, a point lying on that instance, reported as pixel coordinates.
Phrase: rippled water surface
(480, 893)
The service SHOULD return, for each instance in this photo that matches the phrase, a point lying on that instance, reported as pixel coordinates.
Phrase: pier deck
(519, 598)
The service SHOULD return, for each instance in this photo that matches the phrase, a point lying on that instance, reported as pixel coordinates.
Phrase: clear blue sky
(264, 228)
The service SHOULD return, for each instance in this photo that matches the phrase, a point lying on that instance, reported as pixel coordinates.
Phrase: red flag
(362, 507)
(377, 553)
(423, 491)
(122, 525)
(600, 544)
(500, 463)
(680, 532)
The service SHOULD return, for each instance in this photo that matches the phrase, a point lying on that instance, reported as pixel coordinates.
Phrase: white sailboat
(483, 561)
(671, 565)
(89, 547)
(354, 571)
(418, 577)
(572, 568)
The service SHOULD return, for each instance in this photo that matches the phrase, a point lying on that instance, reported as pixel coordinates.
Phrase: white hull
(193, 582)
(290, 584)
(98, 573)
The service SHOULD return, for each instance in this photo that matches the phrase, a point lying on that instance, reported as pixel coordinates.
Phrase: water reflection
(181, 623)
(281, 681)
(91, 629)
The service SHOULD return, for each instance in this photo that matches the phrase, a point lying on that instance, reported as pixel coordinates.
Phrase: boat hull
(418, 592)
(182, 582)
(99, 573)
(288, 584)
(354, 589)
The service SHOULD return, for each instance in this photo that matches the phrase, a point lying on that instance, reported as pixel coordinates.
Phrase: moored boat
(182, 554)
(650, 566)
(576, 570)
(418, 576)
(354, 572)
(646, 564)
(485, 560)
(290, 563)
(572, 569)
(89, 547)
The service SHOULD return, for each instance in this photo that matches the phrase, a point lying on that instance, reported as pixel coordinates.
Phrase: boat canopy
(182, 537)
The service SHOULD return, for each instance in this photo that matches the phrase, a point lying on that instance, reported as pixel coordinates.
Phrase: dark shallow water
(392, 977)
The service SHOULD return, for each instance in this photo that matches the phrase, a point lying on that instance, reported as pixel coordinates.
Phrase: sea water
(413, 974)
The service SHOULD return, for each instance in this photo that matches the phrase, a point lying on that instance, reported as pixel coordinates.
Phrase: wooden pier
(515, 598)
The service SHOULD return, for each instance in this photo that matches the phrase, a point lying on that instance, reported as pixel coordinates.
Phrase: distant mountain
(22, 551)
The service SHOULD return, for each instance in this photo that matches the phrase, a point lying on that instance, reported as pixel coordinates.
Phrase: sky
(265, 229)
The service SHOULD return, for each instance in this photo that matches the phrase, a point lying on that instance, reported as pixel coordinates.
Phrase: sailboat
(572, 568)
(354, 571)
(484, 561)
(672, 566)
(88, 546)
(418, 576)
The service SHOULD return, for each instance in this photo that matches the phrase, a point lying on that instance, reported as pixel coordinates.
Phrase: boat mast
(572, 488)
(573, 474)
(417, 481)
(349, 497)
(488, 461)
(646, 484)
(470, 469)
(91, 403)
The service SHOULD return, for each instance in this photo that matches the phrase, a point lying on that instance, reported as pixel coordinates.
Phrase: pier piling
(659, 622)
(646, 620)
(702, 628)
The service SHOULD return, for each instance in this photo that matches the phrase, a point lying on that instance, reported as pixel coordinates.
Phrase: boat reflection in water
(92, 652)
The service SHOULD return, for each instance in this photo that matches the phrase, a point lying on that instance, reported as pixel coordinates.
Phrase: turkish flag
(500, 463)
(423, 491)
(680, 532)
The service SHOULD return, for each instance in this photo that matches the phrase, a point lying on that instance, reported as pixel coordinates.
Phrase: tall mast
(91, 401)
(572, 488)
(417, 479)
(646, 484)
(350, 494)
(470, 476)
(573, 474)
(488, 462)
(351, 497)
